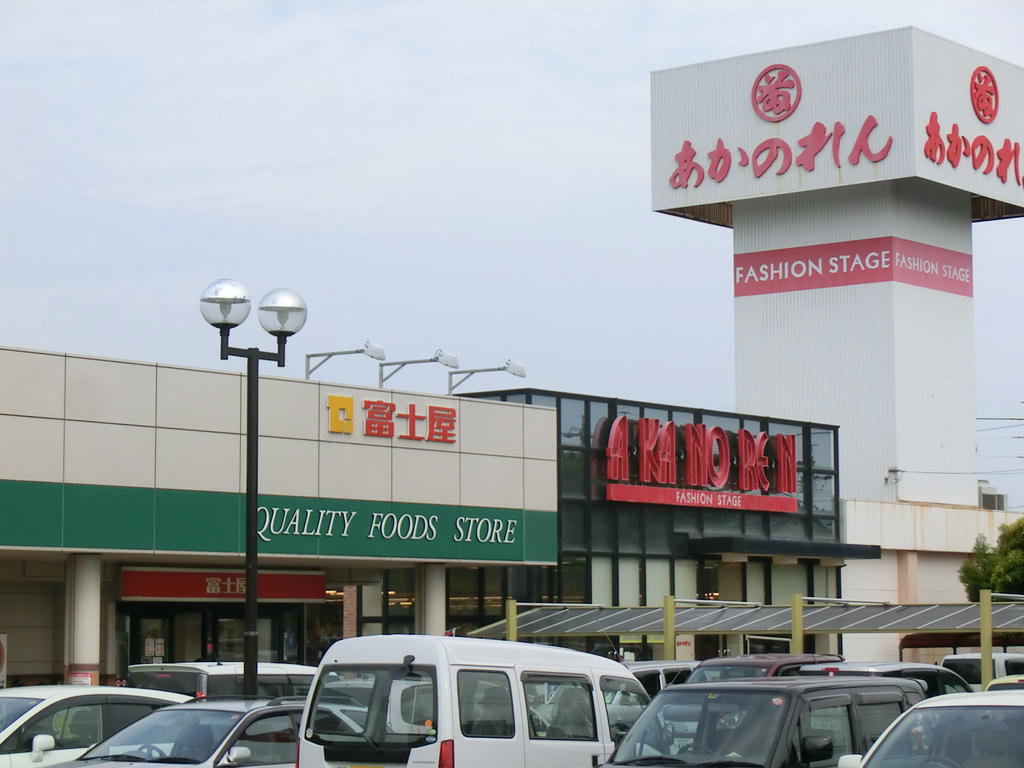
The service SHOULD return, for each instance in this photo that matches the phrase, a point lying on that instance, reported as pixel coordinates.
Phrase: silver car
(209, 732)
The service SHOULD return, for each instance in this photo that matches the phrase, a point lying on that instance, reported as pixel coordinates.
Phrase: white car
(222, 678)
(43, 725)
(958, 730)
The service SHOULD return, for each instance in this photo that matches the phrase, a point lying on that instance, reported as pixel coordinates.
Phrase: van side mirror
(816, 748)
(41, 742)
(236, 756)
(849, 761)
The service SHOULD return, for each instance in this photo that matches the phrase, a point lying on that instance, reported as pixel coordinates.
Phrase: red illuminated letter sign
(785, 463)
(617, 451)
(752, 461)
(707, 455)
(657, 452)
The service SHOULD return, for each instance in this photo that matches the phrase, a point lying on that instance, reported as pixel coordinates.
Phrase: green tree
(999, 568)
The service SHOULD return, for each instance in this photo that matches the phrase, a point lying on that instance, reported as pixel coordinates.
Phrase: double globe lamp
(225, 304)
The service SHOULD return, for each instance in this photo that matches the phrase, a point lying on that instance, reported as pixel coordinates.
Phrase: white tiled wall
(32, 383)
(103, 390)
(109, 454)
(201, 400)
(31, 449)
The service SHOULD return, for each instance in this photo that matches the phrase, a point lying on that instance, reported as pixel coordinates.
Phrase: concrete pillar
(84, 610)
(431, 598)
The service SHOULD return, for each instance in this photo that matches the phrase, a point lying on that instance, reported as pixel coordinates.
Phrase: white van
(405, 700)
(968, 666)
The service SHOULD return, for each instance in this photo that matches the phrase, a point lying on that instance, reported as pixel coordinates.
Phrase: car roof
(225, 667)
(783, 684)
(975, 699)
(769, 659)
(661, 664)
(1007, 679)
(873, 666)
(57, 692)
(995, 655)
(240, 704)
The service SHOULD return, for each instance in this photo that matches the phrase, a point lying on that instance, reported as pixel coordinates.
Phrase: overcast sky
(472, 176)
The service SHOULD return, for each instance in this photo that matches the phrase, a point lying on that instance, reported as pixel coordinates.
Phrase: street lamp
(368, 349)
(440, 356)
(282, 313)
(509, 367)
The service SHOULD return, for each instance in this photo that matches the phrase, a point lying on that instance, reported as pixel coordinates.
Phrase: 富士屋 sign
(726, 470)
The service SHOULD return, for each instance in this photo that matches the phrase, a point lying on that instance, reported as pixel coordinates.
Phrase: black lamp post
(282, 313)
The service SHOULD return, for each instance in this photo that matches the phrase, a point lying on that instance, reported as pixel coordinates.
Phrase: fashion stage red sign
(873, 260)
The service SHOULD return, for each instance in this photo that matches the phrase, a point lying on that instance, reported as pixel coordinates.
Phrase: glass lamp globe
(282, 312)
(224, 303)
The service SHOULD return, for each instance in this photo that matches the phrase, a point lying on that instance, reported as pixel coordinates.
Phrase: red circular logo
(984, 94)
(776, 93)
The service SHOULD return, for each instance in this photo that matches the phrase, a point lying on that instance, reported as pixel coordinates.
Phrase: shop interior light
(370, 350)
(509, 367)
(439, 356)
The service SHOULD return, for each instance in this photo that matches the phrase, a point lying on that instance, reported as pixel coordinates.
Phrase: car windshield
(365, 711)
(188, 735)
(715, 672)
(13, 707)
(945, 736)
(702, 727)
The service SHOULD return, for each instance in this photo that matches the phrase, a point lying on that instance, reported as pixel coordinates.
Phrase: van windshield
(705, 727)
(375, 713)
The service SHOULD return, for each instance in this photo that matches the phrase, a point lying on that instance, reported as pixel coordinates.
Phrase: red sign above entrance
(873, 260)
(642, 465)
(188, 585)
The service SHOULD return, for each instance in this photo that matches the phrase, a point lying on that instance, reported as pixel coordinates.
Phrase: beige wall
(93, 421)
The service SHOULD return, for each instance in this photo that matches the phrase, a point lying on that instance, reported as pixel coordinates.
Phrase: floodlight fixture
(440, 356)
(509, 367)
(370, 350)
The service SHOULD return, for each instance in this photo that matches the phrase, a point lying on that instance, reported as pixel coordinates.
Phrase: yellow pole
(796, 644)
(669, 609)
(511, 620)
(985, 616)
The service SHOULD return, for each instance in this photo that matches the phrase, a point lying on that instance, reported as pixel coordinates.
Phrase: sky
(468, 176)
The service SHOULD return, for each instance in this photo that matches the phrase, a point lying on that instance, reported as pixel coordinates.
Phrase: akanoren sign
(716, 468)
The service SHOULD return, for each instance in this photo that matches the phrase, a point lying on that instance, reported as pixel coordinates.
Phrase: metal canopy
(560, 621)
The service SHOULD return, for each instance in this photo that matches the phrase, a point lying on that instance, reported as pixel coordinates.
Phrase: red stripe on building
(855, 262)
(688, 497)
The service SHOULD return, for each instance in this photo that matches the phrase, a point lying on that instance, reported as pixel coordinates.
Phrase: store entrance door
(169, 632)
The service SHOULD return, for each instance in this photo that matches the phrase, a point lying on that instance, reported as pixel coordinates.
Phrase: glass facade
(623, 553)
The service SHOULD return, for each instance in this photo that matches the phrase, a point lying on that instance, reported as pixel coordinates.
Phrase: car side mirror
(41, 742)
(237, 756)
(849, 761)
(816, 748)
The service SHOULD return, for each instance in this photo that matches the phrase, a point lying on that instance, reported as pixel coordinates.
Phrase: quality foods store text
(380, 511)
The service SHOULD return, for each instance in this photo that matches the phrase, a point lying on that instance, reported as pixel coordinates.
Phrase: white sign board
(889, 105)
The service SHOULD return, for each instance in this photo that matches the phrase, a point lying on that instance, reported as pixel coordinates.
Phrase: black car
(782, 722)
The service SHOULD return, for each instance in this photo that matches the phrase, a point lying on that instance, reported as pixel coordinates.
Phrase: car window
(171, 735)
(833, 722)
(968, 669)
(175, 682)
(715, 672)
(485, 705)
(790, 671)
(875, 718)
(650, 680)
(624, 700)
(1014, 667)
(679, 675)
(272, 685)
(565, 708)
(71, 725)
(950, 684)
(300, 684)
(223, 685)
(12, 707)
(122, 713)
(270, 739)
